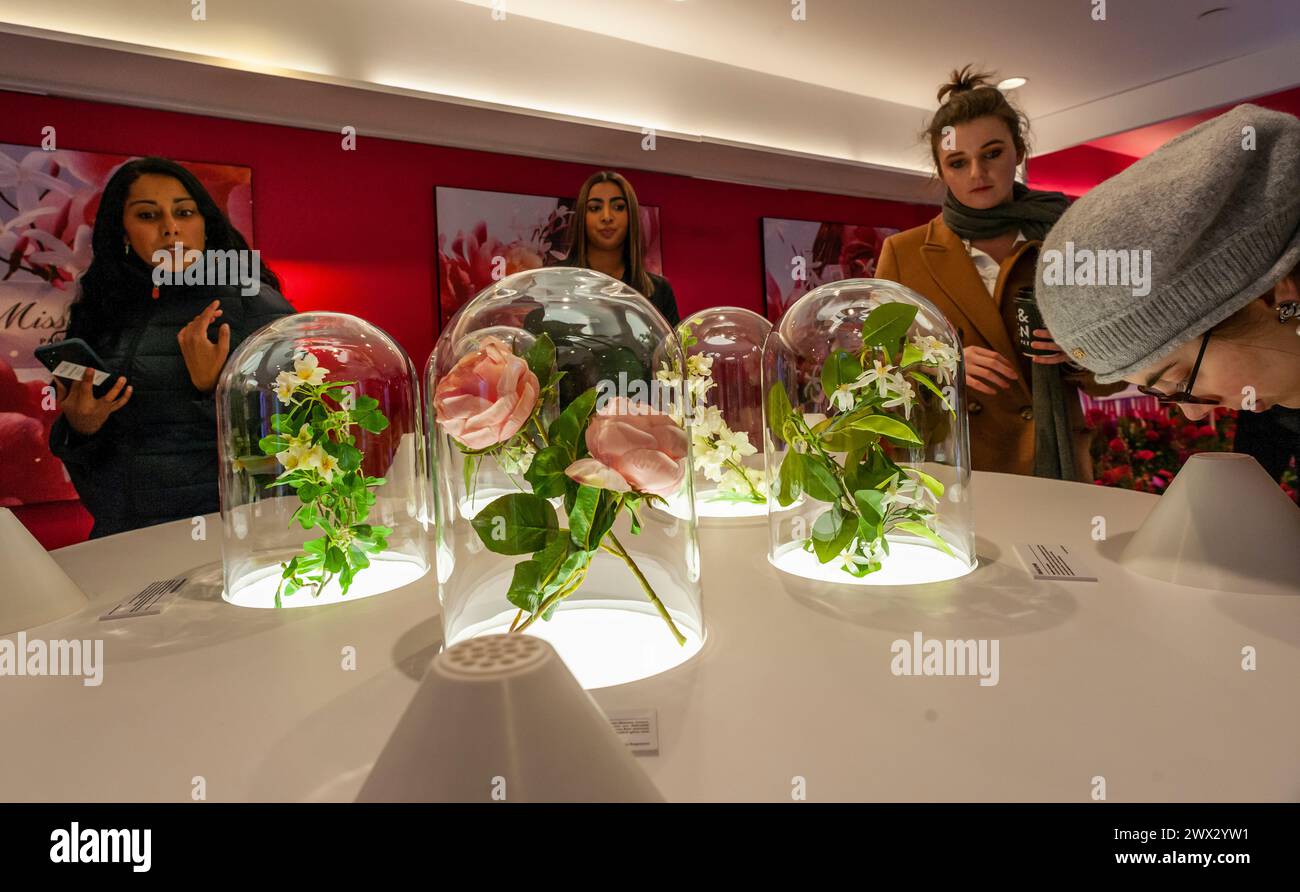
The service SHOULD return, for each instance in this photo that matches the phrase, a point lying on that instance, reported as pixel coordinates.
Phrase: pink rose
(633, 447)
(487, 397)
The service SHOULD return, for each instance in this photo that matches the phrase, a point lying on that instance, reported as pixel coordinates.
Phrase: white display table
(1129, 679)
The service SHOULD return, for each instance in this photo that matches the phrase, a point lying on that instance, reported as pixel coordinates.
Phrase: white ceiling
(735, 88)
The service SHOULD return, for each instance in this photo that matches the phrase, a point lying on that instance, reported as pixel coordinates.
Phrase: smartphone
(71, 357)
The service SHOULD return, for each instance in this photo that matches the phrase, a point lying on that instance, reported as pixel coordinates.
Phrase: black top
(662, 297)
(155, 459)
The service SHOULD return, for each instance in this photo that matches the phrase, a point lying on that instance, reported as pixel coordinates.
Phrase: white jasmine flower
(902, 395)
(307, 370)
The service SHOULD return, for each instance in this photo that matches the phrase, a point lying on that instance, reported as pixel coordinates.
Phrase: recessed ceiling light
(1012, 83)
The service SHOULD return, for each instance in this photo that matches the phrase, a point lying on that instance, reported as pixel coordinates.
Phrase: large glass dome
(867, 447)
(723, 381)
(323, 472)
(554, 445)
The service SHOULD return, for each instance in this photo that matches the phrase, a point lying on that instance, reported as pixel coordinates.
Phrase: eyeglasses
(1184, 394)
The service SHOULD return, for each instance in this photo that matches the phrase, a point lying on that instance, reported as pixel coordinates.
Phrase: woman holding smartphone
(971, 261)
(146, 451)
(607, 238)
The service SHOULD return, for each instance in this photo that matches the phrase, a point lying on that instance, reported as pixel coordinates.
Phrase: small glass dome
(867, 447)
(323, 472)
(553, 443)
(724, 371)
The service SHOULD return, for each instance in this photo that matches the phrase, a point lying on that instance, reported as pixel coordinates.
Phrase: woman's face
(606, 217)
(160, 214)
(977, 161)
(1259, 358)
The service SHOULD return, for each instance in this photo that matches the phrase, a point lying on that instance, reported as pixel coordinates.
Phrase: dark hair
(106, 292)
(969, 95)
(633, 250)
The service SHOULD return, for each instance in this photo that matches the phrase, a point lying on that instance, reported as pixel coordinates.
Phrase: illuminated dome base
(385, 573)
(711, 504)
(908, 563)
(605, 642)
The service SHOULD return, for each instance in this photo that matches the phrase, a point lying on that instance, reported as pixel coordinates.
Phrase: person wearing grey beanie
(1180, 274)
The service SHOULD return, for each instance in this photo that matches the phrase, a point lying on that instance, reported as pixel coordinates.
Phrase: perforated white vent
(493, 655)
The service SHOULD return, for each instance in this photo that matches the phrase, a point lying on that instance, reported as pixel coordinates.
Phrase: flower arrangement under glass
(324, 478)
(600, 462)
(563, 495)
(723, 392)
(875, 428)
(313, 442)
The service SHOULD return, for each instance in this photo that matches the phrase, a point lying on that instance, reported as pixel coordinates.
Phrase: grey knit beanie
(1162, 252)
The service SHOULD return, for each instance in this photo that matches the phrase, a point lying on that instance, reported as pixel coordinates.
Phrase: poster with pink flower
(48, 201)
(526, 231)
(799, 255)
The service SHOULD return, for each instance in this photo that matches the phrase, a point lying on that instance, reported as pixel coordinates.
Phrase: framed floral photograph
(799, 255)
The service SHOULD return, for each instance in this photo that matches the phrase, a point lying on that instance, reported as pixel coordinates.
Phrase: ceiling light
(1012, 83)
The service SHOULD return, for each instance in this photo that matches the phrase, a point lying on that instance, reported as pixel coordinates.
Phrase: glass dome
(323, 472)
(724, 371)
(552, 442)
(867, 447)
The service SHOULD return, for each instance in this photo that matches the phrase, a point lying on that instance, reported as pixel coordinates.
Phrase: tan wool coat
(932, 261)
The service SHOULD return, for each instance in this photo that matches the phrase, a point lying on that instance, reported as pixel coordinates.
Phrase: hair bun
(964, 80)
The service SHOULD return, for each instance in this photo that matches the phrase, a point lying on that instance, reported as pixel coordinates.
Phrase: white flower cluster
(936, 353)
(890, 384)
(301, 455)
(306, 370)
(719, 451)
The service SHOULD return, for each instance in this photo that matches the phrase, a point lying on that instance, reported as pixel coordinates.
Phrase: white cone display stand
(38, 590)
(1223, 524)
(500, 717)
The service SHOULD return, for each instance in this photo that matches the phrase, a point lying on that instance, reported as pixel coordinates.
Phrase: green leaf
(887, 426)
(525, 586)
(518, 523)
(551, 557)
(927, 481)
(374, 422)
(546, 472)
(541, 359)
(316, 546)
(583, 515)
(779, 409)
(272, 444)
(848, 440)
(887, 325)
(832, 532)
(911, 354)
(566, 429)
(819, 480)
(925, 381)
(334, 559)
(283, 424)
(916, 528)
(869, 502)
(366, 404)
(839, 368)
(789, 479)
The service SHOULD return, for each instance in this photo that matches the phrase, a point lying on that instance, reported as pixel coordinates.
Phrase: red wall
(354, 230)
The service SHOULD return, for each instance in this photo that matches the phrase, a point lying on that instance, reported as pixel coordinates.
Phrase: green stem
(569, 588)
(621, 552)
(537, 422)
(745, 476)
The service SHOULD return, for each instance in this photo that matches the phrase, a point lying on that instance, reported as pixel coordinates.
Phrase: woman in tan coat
(970, 261)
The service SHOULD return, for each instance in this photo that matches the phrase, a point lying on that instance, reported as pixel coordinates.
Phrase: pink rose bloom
(633, 448)
(487, 397)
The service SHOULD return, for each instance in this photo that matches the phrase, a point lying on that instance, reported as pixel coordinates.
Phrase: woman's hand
(987, 371)
(203, 358)
(85, 412)
(1047, 343)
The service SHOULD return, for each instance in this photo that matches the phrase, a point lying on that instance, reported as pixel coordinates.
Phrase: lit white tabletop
(1129, 679)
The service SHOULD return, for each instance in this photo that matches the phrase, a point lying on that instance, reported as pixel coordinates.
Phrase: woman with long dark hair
(607, 238)
(146, 451)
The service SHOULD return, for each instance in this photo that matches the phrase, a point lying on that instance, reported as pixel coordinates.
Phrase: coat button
(1027, 413)
(975, 408)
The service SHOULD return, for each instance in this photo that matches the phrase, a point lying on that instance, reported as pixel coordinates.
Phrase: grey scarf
(1033, 213)
(1029, 210)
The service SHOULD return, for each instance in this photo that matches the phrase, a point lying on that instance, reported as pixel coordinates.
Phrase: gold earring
(126, 247)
